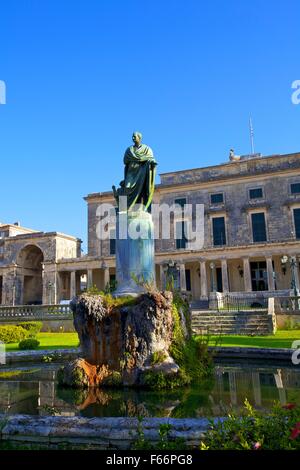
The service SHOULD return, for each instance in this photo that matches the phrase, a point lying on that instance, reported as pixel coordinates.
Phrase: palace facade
(251, 238)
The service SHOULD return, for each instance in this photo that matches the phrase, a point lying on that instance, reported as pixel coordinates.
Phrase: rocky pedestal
(121, 343)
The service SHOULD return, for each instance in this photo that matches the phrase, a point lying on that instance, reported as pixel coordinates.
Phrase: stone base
(81, 374)
(134, 253)
(123, 344)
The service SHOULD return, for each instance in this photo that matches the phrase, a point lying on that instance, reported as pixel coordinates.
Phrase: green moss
(158, 357)
(79, 378)
(113, 380)
(178, 336)
(110, 301)
(159, 380)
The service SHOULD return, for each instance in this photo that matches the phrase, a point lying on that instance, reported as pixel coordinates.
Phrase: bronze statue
(139, 174)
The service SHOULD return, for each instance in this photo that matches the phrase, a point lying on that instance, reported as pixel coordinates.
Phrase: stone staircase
(254, 322)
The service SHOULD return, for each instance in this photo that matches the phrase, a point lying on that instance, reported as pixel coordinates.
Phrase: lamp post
(293, 264)
(212, 267)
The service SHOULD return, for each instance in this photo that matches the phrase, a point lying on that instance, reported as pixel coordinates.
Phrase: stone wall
(288, 320)
(96, 433)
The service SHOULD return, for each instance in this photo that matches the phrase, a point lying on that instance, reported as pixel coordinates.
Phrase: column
(203, 280)
(73, 285)
(106, 276)
(270, 272)
(162, 277)
(225, 276)
(182, 277)
(89, 278)
(247, 275)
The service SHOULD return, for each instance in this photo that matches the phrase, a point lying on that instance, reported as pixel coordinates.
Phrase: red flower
(295, 432)
(289, 406)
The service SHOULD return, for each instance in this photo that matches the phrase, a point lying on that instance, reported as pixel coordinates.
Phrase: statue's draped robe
(139, 179)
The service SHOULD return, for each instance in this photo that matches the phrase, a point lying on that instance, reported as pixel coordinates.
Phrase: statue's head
(137, 138)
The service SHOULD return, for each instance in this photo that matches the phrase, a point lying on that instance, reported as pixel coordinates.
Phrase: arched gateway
(30, 267)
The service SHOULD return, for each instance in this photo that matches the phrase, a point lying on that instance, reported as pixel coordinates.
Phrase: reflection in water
(35, 392)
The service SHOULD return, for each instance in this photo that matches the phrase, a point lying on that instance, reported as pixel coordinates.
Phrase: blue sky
(82, 75)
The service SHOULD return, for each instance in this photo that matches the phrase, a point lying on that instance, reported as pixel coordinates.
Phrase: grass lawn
(282, 339)
(51, 341)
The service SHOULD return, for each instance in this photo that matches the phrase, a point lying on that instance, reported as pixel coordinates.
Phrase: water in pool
(33, 390)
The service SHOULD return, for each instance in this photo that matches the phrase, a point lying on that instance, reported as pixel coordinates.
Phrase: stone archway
(30, 267)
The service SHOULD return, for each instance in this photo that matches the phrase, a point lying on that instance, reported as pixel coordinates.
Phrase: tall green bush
(191, 354)
(12, 333)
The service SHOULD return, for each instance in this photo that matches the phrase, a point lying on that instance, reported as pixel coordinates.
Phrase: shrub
(29, 344)
(277, 430)
(192, 355)
(33, 327)
(158, 357)
(12, 333)
(158, 380)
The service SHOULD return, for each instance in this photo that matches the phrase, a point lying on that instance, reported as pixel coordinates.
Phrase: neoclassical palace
(251, 237)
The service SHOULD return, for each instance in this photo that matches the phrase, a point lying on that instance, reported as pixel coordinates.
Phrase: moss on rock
(158, 380)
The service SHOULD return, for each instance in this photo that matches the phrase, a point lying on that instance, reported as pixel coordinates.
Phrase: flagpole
(251, 135)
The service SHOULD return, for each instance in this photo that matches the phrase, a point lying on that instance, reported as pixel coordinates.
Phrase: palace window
(297, 222)
(295, 188)
(180, 202)
(259, 232)
(255, 193)
(217, 198)
(219, 231)
(181, 239)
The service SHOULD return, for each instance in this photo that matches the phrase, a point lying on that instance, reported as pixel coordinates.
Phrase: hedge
(12, 333)
(33, 327)
(29, 343)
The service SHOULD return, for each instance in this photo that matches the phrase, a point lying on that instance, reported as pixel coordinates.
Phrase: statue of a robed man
(139, 174)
